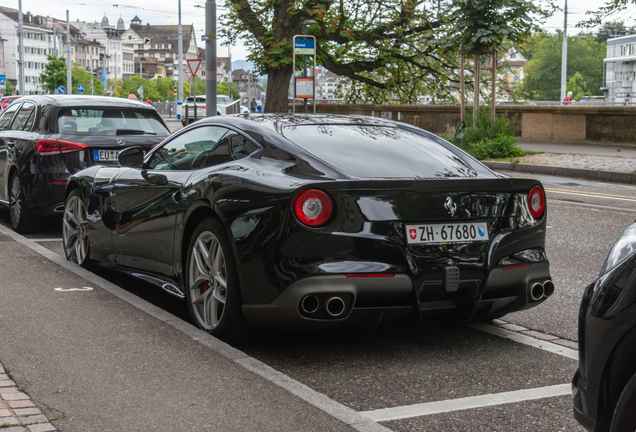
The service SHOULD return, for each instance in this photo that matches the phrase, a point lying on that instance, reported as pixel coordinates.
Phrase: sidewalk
(94, 357)
(590, 162)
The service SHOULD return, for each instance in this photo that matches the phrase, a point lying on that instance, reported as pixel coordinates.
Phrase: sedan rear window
(369, 151)
(110, 121)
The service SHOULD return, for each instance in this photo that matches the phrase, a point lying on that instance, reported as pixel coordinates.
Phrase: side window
(24, 119)
(241, 147)
(188, 150)
(5, 118)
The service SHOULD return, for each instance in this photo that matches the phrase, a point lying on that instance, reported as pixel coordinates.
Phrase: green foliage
(610, 29)
(54, 74)
(392, 51)
(609, 8)
(9, 88)
(542, 79)
(480, 23)
(577, 86)
(501, 146)
(481, 142)
(79, 75)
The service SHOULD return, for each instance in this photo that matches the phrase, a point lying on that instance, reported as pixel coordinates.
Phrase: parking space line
(526, 340)
(46, 239)
(591, 194)
(320, 401)
(423, 409)
(596, 206)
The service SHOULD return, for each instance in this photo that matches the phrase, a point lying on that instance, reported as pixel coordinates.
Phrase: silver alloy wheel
(16, 201)
(208, 281)
(75, 230)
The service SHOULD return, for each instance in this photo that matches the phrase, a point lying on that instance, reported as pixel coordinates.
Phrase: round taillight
(312, 207)
(536, 202)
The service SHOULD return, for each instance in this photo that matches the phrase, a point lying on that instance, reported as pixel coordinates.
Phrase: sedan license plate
(447, 233)
(105, 155)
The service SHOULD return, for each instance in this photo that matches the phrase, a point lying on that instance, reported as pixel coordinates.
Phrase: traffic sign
(80, 88)
(304, 46)
(3, 82)
(193, 65)
(61, 90)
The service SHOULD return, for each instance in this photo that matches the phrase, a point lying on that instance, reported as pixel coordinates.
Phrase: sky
(166, 12)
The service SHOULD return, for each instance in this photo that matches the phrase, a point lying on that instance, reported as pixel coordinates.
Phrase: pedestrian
(253, 105)
(148, 101)
(132, 96)
(259, 106)
(627, 98)
(568, 99)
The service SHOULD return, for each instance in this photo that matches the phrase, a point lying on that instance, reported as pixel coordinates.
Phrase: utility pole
(180, 54)
(20, 50)
(210, 58)
(141, 61)
(564, 52)
(69, 79)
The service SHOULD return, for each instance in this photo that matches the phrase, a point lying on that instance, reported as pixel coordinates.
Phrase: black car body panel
(43, 175)
(151, 212)
(607, 337)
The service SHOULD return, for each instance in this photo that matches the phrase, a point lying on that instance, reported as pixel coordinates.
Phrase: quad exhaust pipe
(310, 304)
(539, 290)
(335, 306)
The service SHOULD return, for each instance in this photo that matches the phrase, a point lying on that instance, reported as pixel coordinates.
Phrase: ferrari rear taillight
(536, 202)
(50, 147)
(312, 207)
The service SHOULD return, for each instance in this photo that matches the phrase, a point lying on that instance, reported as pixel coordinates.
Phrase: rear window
(364, 151)
(109, 121)
(200, 99)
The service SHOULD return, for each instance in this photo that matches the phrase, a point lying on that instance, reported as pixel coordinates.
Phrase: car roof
(73, 101)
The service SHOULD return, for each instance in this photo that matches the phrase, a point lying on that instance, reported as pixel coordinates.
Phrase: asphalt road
(433, 377)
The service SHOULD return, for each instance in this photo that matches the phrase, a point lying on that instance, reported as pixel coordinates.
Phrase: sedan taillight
(312, 207)
(536, 202)
(50, 147)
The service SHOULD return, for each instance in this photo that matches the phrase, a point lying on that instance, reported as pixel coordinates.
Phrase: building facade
(619, 67)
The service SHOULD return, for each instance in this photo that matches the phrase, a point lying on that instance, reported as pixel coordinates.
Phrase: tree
(577, 86)
(54, 74)
(387, 48)
(610, 29)
(79, 75)
(9, 90)
(542, 79)
(605, 11)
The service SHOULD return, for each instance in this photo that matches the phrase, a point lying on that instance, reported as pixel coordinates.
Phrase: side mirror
(132, 157)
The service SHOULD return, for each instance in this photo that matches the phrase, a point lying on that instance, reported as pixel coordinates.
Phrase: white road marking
(423, 409)
(595, 206)
(526, 340)
(46, 239)
(588, 195)
(73, 289)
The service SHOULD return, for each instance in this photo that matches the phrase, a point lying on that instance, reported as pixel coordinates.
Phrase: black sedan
(312, 222)
(604, 386)
(45, 139)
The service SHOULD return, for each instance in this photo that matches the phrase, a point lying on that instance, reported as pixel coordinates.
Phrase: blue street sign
(61, 90)
(80, 88)
(304, 43)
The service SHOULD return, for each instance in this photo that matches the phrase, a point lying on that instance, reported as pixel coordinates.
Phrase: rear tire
(211, 283)
(75, 230)
(22, 220)
(624, 418)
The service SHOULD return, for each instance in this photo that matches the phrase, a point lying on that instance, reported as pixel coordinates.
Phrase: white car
(222, 102)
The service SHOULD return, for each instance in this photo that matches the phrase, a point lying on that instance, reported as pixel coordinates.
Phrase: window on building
(140, 46)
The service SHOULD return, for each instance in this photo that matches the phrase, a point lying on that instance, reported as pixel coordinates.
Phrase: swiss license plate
(447, 233)
(105, 155)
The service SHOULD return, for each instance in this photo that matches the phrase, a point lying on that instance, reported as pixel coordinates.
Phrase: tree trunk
(277, 89)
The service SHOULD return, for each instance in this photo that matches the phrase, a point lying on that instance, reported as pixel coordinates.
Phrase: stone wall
(542, 124)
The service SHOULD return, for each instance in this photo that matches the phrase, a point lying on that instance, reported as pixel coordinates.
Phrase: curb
(581, 173)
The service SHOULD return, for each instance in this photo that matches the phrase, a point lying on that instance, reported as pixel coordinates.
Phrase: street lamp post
(305, 101)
